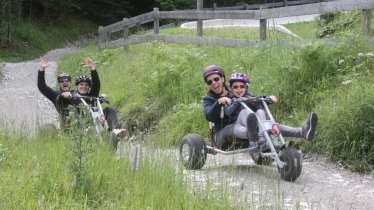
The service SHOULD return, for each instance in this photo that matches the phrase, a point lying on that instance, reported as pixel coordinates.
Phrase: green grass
(158, 88)
(37, 173)
(305, 30)
(31, 39)
(231, 33)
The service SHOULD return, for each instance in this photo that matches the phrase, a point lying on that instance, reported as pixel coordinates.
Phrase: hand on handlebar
(66, 95)
(271, 99)
(224, 100)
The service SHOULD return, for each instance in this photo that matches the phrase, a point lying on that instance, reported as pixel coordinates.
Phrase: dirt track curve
(322, 185)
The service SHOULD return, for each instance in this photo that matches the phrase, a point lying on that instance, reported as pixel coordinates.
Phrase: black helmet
(83, 78)
(63, 76)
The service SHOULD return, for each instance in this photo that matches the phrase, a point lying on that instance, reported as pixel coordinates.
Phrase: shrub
(347, 124)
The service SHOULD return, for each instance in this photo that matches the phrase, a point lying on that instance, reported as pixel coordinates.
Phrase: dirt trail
(22, 105)
(322, 185)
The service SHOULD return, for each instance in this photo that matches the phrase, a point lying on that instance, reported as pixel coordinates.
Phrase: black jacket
(213, 111)
(75, 101)
(232, 110)
(51, 94)
(61, 104)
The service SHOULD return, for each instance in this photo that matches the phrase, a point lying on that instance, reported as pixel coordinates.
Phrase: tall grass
(157, 87)
(32, 39)
(37, 174)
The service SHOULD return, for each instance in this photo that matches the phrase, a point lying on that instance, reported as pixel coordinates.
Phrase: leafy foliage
(341, 25)
(32, 39)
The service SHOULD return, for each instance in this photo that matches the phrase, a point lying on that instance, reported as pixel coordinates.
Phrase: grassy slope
(159, 86)
(31, 40)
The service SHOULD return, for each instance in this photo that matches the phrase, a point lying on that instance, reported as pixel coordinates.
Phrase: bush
(341, 25)
(174, 125)
(347, 125)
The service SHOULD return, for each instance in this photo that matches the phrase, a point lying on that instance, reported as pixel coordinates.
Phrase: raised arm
(95, 89)
(42, 86)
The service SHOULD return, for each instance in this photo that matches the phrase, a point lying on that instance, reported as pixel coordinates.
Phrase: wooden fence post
(156, 21)
(365, 22)
(199, 22)
(125, 32)
(263, 23)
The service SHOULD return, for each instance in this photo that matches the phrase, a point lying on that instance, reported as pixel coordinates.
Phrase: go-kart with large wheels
(194, 149)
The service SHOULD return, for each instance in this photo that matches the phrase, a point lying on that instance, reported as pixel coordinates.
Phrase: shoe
(252, 127)
(261, 141)
(121, 133)
(308, 128)
(253, 144)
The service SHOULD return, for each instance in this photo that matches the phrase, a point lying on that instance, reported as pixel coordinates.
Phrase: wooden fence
(321, 7)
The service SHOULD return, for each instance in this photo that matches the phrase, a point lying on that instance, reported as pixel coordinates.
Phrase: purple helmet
(213, 69)
(239, 77)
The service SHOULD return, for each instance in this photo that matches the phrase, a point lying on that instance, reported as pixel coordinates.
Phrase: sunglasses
(238, 86)
(63, 80)
(209, 82)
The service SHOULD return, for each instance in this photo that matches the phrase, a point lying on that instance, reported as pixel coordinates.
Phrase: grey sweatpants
(240, 126)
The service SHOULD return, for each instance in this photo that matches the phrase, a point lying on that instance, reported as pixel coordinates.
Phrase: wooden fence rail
(320, 7)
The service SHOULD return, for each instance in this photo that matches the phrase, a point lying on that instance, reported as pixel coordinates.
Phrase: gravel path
(22, 105)
(322, 185)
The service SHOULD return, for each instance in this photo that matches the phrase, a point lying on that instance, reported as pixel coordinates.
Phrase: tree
(168, 5)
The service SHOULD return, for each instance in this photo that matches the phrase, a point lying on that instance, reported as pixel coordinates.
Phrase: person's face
(238, 88)
(83, 87)
(64, 84)
(215, 83)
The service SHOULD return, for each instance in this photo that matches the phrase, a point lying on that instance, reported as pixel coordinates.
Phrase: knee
(244, 112)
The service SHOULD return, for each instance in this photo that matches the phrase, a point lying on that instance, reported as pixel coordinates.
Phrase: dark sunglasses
(209, 82)
(63, 80)
(238, 86)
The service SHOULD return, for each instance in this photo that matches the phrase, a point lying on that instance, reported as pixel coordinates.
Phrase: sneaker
(121, 133)
(308, 128)
(253, 144)
(252, 127)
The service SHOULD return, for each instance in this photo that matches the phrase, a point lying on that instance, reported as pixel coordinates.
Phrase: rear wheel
(193, 151)
(293, 165)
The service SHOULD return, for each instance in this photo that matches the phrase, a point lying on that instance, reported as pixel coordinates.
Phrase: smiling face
(64, 84)
(83, 88)
(215, 83)
(239, 89)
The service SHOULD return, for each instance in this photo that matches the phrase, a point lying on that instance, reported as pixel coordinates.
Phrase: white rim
(185, 152)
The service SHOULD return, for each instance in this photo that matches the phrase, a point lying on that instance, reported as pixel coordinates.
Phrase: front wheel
(293, 165)
(193, 151)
